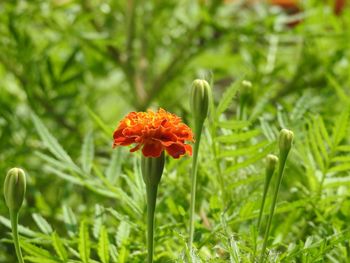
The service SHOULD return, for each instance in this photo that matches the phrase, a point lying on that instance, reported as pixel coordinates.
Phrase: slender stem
(283, 158)
(151, 205)
(14, 226)
(198, 133)
(266, 188)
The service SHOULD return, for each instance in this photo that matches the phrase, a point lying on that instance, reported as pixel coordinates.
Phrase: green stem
(266, 188)
(14, 226)
(151, 205)
(198, 133)
(283, 158)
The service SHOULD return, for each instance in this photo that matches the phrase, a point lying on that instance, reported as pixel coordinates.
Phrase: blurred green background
(76, 64)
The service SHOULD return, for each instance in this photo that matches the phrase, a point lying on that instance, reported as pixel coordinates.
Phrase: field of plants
(175, 131)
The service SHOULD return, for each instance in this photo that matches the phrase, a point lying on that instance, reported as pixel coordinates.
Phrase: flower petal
(176, 150)
(152, 149)
(188, 149)
(122, 141)
(137, 147)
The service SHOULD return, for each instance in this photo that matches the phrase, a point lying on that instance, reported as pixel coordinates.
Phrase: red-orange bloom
(154, 132)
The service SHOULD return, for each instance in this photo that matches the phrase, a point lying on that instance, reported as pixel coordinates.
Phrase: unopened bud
(200, 95)
(152, 169)
(285, 141)
(15, 188)
(271, 162)
(246, 84)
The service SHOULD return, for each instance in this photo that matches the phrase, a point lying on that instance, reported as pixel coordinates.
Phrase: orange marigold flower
(154, 132)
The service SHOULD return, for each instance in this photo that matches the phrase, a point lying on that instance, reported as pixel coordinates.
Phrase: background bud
(271, 162)
(200, 95)
(285, 140)
(15, 188)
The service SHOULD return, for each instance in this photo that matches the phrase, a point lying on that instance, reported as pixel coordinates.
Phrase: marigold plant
(154, 132)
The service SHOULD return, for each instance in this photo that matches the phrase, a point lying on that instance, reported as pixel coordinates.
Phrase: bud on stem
(14, 188)
(200, 96)
(271, 162)
(14, 191)
(285, 144)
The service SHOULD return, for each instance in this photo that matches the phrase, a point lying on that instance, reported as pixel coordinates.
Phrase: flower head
(154, 132)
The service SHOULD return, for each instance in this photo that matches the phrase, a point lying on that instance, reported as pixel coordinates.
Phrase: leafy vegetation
(70, 70)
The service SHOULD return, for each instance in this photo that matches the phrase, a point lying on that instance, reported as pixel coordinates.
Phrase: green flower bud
(285, 141)
(246, 84)
(271, 162)
(246, 90)
(15, 188)
(200, 95)
(152, 169)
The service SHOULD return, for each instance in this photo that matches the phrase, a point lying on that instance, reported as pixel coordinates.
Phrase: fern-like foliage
(86, 174)
(237, 144)
(325, 152)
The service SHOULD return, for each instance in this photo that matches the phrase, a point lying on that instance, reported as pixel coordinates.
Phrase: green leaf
(41, 260)
(121, 217)
(107, 130)
(69, 62)
(87, 152)
(268, 130)
(50, 141)
(41, 222)
(98, 220)
(21, 229)
(50, 70)
(103, 245)
(338, 89)
(69, 220)
(340, 168)
(114, 254)
(233, 124)
(301, 106)
(84, 242)
(114, 167)
(64, 176)
(341, 159)
(35, 251)
(247, 181)
(61, 165)
(343, 148)
(243, 151)
(123, 233)
(59, 247)
(227, 97)
(320, 141)
(337, 181)
(238, 137)
(256, 157)
(323, 130)
(311, 139)
(340, 127)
